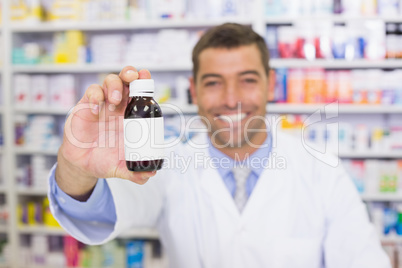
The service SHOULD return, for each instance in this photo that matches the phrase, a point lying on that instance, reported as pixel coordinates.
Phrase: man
(227, 209)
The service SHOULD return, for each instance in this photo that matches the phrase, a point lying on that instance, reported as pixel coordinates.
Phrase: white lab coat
(307, 215)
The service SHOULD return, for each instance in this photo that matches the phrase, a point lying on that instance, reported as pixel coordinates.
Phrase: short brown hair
(229, 35)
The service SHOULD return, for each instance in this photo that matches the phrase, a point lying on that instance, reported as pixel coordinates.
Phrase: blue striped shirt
(255, 162)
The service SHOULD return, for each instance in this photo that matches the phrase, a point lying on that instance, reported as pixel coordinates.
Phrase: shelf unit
(258, 22)
(29, 151)
(51, 111)
(387, 197)
(372, 154)
(91, 68)
(138, 233)
(185, 109)
(112, 26)
(3, 228)
(340, 108)
(391, 239)
(274, 63)
(336, 63)
(332, 18)
(31, 192)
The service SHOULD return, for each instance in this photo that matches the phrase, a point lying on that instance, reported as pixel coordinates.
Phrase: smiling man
(230, 87)
(233, 211)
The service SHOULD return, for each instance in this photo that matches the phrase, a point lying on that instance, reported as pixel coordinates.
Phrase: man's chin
(228, 143)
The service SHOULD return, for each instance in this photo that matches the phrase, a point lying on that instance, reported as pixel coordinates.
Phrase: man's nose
(232, 96)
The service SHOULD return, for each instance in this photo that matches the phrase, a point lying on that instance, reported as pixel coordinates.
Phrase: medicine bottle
(143, 128)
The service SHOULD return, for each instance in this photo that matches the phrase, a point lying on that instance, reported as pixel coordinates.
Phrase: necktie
(240, 175)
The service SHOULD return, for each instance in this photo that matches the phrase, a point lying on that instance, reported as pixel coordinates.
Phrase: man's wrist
(72, 180)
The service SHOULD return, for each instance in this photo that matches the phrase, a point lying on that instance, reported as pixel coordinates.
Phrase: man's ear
(193, 91)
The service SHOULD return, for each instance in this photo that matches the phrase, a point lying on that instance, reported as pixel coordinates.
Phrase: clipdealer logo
(326, 117)
(326, 149)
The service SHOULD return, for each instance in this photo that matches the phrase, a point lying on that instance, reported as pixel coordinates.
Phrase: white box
(22, 90)
(40, 93)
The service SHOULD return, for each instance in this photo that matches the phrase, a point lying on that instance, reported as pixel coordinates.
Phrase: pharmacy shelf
(186, 67)
(45, 110)
(94, 68)
(335, 63)
(384, 197)
(285, 108)
(26, 229)
(32, 192)
(145, 233)
(183, 23)
(42, 266)
(331, 108)
(372, 154)
(185, 109)
(29, 151)
(331, 18)
(113, 26)
(391, 239)
(3, 229)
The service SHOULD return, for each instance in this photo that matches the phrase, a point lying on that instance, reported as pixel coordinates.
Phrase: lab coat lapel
(215, 217)
(270, 186)
(270, 199)
(214, 189)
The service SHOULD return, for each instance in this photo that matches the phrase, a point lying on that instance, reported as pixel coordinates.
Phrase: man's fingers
(94, 97)
(136, 177)
(128, 74)
(144, 74)
(114, 89)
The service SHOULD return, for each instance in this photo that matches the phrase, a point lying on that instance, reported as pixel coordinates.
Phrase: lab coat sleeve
(133, 206)
(90, 222)
(351, 240)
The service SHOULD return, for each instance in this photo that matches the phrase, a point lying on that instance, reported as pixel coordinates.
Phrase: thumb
(134, 176)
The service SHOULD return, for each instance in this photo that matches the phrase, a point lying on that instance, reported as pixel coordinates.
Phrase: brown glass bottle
(141, 107)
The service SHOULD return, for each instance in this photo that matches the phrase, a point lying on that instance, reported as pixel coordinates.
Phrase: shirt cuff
(98, 207)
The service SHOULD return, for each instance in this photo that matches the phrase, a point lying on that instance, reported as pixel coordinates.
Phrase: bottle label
(143, 139)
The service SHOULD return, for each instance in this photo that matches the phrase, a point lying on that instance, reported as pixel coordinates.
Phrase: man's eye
(250, 80)
(211, 83)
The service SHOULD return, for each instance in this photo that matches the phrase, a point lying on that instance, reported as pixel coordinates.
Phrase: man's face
(231, 91)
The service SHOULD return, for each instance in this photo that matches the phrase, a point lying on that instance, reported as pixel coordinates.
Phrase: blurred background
(336, 56)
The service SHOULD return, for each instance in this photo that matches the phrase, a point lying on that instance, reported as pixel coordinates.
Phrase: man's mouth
(233, 118)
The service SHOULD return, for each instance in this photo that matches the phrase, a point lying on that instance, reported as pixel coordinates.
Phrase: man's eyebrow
(210, 75)
(250, 72)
